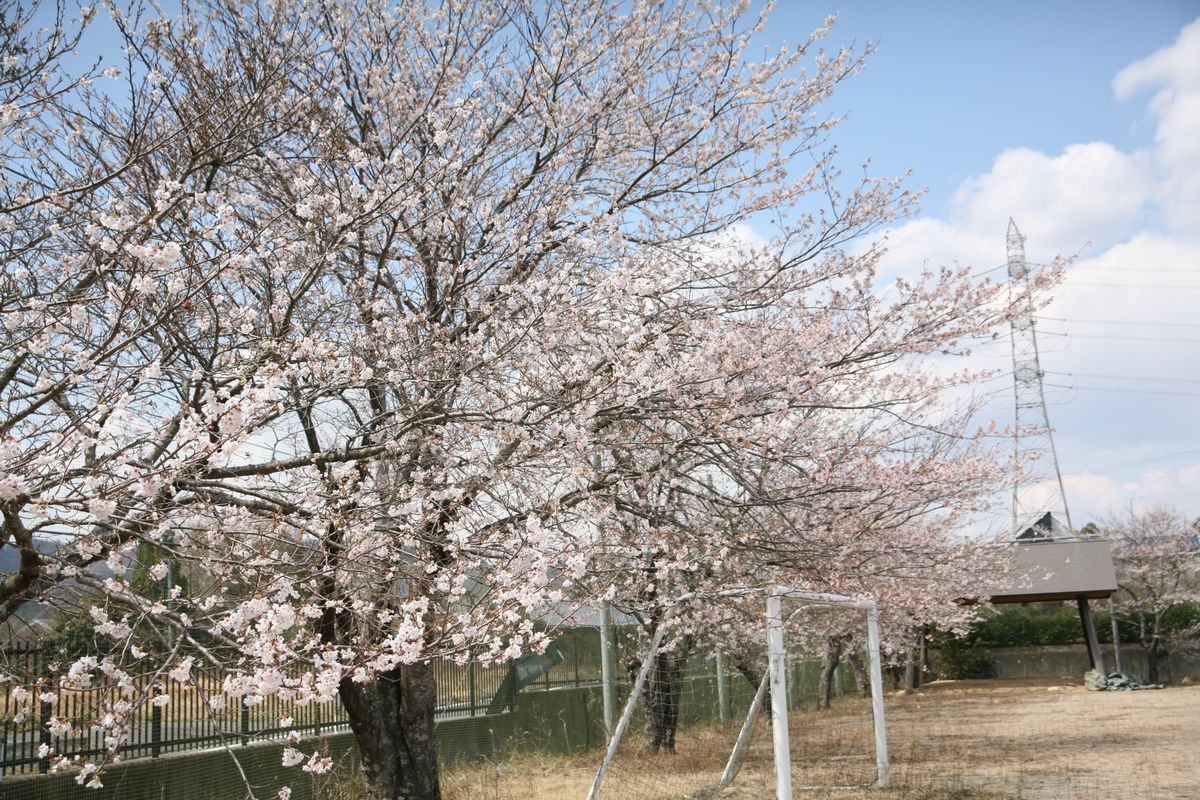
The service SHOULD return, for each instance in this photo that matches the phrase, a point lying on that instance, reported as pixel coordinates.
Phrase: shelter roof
(1061, 569)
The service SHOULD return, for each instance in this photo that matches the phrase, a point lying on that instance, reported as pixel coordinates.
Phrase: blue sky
(954, 83)
(1081, 120)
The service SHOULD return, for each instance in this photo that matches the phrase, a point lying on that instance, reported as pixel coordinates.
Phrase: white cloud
(1173, 73)
(1093, 496)
(1178, 64)
(1139, 210)
(1087, 198)
(1088, 192)
(1137, 282)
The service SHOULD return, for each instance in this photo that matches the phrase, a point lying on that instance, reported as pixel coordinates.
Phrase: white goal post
(776, 680)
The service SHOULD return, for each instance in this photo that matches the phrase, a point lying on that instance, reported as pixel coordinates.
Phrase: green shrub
(1027, 625)
(956, 658)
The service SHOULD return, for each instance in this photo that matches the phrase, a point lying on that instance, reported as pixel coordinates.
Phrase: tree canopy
(404, 323)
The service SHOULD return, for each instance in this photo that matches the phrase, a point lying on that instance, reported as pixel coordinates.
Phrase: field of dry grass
(965, 740)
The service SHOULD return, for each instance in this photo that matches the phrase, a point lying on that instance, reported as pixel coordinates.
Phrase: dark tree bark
(1155, 655)
(912, 681)
(829, 664)
(1150, 627)
(660, 696)
(753, 676)
(861, 681)
(392, 721)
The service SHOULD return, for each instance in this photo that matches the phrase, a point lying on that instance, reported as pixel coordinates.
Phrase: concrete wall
(205, 775)
(1053, 661)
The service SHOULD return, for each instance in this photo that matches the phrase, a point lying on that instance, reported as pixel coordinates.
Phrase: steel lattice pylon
(1033, 443)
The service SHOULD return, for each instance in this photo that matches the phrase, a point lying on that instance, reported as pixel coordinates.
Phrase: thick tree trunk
(392, 721)
(895, 676)
(829, 665)
(1154, 659)
(1150, 627)
(753, 676)
(861, 681)
(911, 680)
(660, 695)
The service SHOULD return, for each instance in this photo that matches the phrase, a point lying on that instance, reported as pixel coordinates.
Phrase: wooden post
(777, 666)
(882, 775)
(1089, 635)
(635, 692)
(739, 746)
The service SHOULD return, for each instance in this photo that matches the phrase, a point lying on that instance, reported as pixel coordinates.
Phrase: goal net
(791, 704)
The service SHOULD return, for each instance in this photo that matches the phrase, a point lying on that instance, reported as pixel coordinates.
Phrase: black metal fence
(198, 714)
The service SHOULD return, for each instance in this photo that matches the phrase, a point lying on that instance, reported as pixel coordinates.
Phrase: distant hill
(34, 613)
(10, 557)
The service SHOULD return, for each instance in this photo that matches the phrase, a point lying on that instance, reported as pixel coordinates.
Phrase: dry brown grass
(988, 740)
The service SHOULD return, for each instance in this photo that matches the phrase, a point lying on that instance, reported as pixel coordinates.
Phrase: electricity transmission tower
(1033, 444)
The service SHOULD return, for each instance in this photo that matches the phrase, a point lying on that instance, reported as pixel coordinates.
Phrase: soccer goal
(797, 704)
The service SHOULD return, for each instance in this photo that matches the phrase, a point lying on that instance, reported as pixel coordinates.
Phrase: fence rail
(190, 719)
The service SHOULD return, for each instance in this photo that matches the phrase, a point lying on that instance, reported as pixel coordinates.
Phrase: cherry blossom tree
(394, 324)
(1157, 560)
(912, 594)
(881, 521)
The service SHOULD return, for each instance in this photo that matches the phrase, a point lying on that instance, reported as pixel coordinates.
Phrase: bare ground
(955, 740)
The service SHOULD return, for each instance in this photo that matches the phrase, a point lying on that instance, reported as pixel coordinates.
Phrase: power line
(1139, 437)
(988, 271)
(1123, 338)
(1118, 390)
(1123, 322)
(1139, 270)
(1123, 377)
(1142, 461)
(1136, 285)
